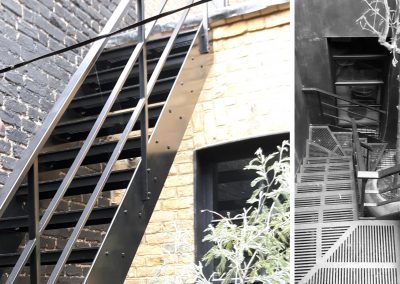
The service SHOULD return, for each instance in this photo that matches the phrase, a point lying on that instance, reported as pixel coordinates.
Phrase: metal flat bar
(397, 199)
(367, 175)
(97, 100)
(365, 82)
(96, 192)
(106, 172)
(33, 224)
(55, 114)
(380, 173)
(80, 185)
(163, 144)
(347, 120)
(21, 261)
(389, 189)
(60, 220)
(97, 154)
(166, 52)
(91, 137)
(144, 116)
(360, 56)
(82, 255)
(346, 110)
(366, 146)
(332, 95)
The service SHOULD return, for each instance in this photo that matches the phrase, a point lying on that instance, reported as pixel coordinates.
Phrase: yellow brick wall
(247, 93)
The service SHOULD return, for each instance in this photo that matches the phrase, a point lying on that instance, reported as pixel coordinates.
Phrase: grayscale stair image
(334, 243)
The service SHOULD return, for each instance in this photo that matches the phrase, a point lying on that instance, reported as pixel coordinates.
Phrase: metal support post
(33, 212)
(144, 120)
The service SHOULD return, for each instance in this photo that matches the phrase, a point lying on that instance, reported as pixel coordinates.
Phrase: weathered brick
(17, 135)
(5, 147)
(13, 6)
(8, 162)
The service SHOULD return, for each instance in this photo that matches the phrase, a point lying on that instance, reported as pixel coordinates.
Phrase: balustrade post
(144, 116)
(33, 229)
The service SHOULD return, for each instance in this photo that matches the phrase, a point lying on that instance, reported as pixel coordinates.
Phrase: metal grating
(354, 275)
(307, 188)
(323, 136)
(354, 252)
(305, 251)
(338, 215)
(388, 159)
(369, 243)
(306, 217)
(307, 202)
(331, 244)
(324, 176)
(330, 160)
(329, 236)
(311, 168)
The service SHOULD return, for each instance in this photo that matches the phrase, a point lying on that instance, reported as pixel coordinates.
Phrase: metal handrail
(30, 161)
(363, 174)
(359, 163)
(141, 106)
(39, 140)
(335, 96)
(84, 149)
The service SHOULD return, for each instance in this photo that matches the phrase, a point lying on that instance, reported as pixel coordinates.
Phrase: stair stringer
(369, 270)
(130, 221)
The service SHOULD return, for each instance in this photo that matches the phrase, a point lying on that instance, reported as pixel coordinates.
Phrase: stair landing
(331, 244)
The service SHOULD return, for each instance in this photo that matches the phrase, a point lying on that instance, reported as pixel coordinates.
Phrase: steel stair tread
(154, 48)
(80, 185)
(62, 220)
(107, 76)
(97, 154)
(309, 168)
(82, 255)
(115, 123)
(127, 98)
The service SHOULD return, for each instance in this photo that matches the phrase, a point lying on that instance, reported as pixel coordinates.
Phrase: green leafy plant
(256, 249)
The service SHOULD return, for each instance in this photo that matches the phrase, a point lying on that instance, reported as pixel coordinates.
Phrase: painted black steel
(60, 220)
(83, 255)
(80, 185)
(144, 116)
(162, 147)
(37, 143)
(33, 224)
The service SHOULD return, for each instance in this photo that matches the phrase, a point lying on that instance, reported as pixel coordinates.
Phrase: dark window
(221, 183)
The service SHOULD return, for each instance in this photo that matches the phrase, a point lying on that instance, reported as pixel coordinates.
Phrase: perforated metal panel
(323, 136)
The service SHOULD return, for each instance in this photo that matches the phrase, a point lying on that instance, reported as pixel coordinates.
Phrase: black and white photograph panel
(347, 160)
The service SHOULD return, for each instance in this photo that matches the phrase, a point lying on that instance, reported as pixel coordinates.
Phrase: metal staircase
(117, 126)
(334, 242)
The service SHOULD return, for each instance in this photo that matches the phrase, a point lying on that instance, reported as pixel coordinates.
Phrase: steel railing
(28, 164)
(329, 107)
(363, 173)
